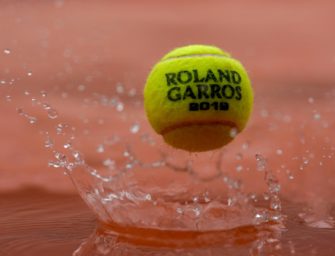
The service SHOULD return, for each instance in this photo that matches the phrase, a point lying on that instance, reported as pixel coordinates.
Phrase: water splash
(31, 119)
(115, 186)
(272, 195)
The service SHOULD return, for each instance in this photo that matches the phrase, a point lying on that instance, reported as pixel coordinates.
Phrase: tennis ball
(198, 98)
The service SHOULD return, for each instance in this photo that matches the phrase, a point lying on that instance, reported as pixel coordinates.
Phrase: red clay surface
(287, 48)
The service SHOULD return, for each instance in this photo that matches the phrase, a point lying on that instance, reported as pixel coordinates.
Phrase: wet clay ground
(56, 46)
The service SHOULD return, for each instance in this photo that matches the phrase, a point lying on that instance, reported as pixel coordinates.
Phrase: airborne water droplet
(119, 88)
(132, 92)
(109, 163)
(233, 132)
(29, 73)
(197, 211)
(67, 145)
(44, 94)
(135, 128)
(279, 151)
(54, 164)
(261, 162)
(32, 119)
(316, 116)
(52, 113)
(120, 107)
(7, 51)
(101, 148)
(239, 168)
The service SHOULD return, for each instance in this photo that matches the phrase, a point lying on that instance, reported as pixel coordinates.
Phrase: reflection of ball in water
(198, 97)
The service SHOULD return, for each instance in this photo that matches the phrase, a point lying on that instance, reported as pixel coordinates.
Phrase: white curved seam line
(196, 55)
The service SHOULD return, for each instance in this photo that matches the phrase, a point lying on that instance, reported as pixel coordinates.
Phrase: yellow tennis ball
(198, 98)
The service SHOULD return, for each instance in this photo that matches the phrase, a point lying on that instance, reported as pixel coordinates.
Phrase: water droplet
(8, 98)
(81, 87)
(67, 145)
(317, 116)
(266, 196)
(245, 145)
(197, 211)
(206, 197)
(292, 247)
(239, 156)
(279, 151)
(11, 81)
(34, 101)
(120, 107)
(32, 119)
(261, 162)
(253, 197)
(54, 164)
(46, 106)
(129, 166)
(48, 143)
(132, 92)
(101, 148)
(274, 187)
(119, 88)
(275, 203)
(239, 168)
(60, 128)
(148, 197)
(2, 82)
(26, 93)
(52, 113)
(29, 73)
(109, 163)
(195, 199)
(78, 158)
(233, 132)
(7, 51)
(258, 216)
(179, 210)
(135, 128)
(311, 100)
(290, 176)
(305, 161)
(44, 94)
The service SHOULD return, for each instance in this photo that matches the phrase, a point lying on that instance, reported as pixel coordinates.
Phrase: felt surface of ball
(198, 98)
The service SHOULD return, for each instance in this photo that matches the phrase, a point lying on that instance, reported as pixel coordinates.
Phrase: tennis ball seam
(198, 123)
(195, 55)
